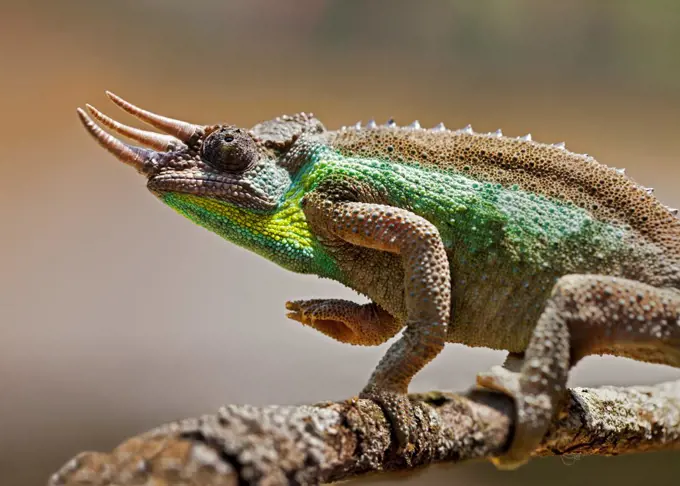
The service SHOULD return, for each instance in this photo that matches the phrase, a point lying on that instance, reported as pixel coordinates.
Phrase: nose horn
(133, 156)
(154, 140)
(182, 130)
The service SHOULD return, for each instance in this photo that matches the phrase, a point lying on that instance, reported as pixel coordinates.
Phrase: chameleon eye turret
(229, 149)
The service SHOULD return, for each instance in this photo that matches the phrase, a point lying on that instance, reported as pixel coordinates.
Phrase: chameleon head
(220, 162)
(232, 181)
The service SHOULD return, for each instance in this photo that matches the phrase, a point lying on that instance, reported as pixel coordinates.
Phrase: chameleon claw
(295, 313)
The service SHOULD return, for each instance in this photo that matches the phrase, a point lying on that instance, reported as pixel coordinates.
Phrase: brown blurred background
(117, 315)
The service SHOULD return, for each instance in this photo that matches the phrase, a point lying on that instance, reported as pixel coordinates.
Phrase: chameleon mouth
(178, 134)
(208, 185)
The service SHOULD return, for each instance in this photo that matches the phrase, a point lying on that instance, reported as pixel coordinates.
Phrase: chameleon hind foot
(506, 379)
(533, 414)
(586, 314)
(345, 321)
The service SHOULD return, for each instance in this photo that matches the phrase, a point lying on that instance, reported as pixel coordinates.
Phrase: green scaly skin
(454, 236)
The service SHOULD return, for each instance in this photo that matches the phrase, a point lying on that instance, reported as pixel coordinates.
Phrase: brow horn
(182, 130)
(150, 139)
(132, 156)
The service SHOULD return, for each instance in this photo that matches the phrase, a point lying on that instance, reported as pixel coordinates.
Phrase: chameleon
(453, 236)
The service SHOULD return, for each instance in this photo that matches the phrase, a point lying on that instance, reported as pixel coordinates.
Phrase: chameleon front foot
(323, 316)
(345, 321)
(400, 412)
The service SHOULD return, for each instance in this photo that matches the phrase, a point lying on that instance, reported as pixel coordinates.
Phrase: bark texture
(321, 443)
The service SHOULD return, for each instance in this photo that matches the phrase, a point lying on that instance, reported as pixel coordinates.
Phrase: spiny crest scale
(520, 161)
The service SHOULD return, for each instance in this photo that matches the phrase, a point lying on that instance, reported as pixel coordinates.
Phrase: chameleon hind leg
(586, 314)
(345, 321)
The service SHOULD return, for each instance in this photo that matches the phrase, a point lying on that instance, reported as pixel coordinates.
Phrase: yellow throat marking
(286, 225)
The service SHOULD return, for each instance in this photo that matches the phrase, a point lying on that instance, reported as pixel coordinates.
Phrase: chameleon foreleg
(427, 282)
(586, 314)
(427, 293)
(346, 321)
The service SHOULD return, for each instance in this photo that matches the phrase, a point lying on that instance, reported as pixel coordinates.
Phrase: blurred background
(117, 315)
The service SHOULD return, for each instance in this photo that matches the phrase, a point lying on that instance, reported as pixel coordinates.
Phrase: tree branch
(311, 444)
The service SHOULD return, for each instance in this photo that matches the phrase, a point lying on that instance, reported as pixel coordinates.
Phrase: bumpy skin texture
(455, 236)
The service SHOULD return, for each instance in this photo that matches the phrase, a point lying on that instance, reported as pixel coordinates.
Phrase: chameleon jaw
(196, 183)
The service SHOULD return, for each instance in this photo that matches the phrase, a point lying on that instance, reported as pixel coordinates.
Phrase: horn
(182, 130)
(132, 156)
(150, 139)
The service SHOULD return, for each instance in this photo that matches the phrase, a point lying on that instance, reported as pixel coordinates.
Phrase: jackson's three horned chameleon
(455, 236)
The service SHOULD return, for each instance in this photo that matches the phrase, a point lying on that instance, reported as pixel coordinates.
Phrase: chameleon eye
(229, 149)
